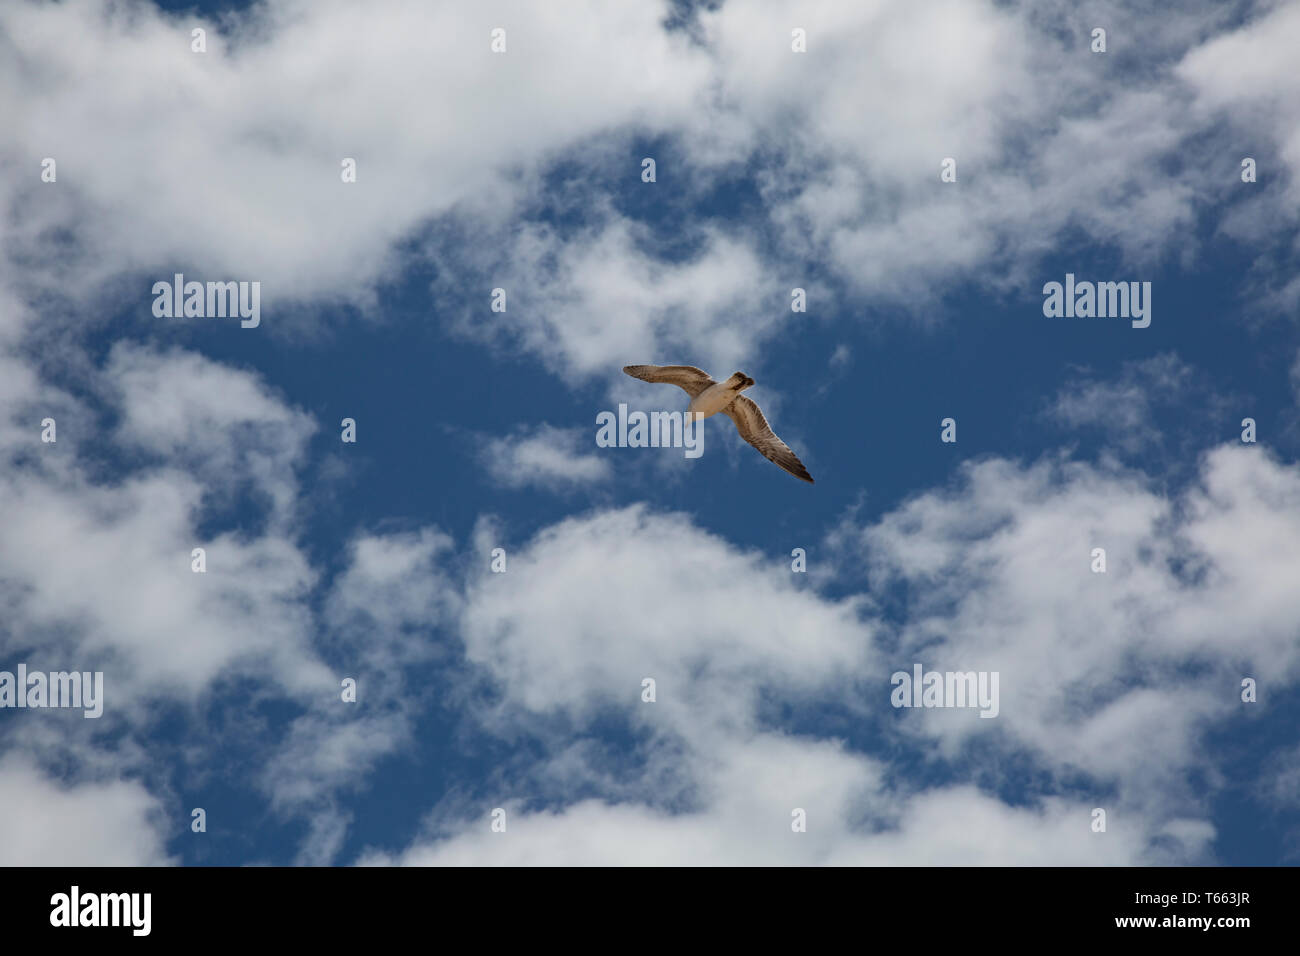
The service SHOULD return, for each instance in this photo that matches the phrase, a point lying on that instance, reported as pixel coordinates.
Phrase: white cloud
(1095, 683)
(1247, 76)
(100, 571)
(90, 823)
(379, 627)
(549, 457)
(557, 629)
(593, 301)
(227, 163)
(956, 827)
(1094, 667)
(1124, 407)
(201, 415)
(96, 572)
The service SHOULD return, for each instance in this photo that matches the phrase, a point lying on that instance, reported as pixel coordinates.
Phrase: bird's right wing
(692, 379)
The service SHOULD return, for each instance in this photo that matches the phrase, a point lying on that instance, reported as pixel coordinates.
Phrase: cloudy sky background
(476, 431)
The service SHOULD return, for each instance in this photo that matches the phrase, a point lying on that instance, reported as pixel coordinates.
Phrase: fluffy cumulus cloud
(227, 163)
(1002, 574)
(1240, 78)
(96, 574)
(716, 616)
(753, 827)
(102, 569)
(50, 823)
(1243, 74)
(585, 302)
(1098, 703)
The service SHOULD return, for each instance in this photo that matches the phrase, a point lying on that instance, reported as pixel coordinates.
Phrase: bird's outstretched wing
(753, 427)
(689, 377)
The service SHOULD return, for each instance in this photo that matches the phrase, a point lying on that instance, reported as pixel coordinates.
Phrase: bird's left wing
(753, 427)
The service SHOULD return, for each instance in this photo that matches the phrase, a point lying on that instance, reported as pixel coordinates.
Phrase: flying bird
(709, 397)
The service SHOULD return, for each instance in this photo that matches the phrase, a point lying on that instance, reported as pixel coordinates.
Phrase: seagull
(709, 397)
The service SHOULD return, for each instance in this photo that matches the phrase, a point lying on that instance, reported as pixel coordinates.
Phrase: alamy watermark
(1102, 300)
(74, 908)
(215, 300)
(923, 688)
(36, 689)
(655, 430)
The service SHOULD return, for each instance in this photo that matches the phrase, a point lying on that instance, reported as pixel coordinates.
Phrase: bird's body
(718, 396)
(709, 397)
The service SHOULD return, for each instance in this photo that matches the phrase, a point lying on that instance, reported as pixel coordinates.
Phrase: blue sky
(523, 690)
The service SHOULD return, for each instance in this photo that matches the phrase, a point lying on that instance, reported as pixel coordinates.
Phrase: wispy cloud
(546, 457)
